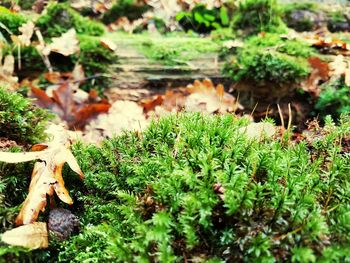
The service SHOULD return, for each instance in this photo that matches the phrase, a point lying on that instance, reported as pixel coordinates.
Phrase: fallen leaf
(201, 96)
(67, 44)
(258, 131)
(32, 236)
(65, 99)
(27, 31)
(107, 43)
(340, 67)
(320, 72)
(47, 173)
(6, 71)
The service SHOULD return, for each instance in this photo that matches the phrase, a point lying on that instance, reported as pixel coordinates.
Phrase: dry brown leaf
(320, 72)
(67, 44)
(107, 43)
(70, 103)
(27, 31)
(340, 67)
(7, 66)
(200, 96)
(47, 173)
(32, 236)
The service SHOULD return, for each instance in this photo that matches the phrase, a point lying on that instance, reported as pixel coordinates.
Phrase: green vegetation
(95, 59)
(254, 16)
(334, 99)
(203, 20)
(20, 120)
(11, 21)
(174, 50)
(270, 59)
(31, 62)
(193, 187)
(26, 4)
(59, 18)
(129, 8)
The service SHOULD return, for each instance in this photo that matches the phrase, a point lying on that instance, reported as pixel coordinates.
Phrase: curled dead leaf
(32, 236)
(47, 174)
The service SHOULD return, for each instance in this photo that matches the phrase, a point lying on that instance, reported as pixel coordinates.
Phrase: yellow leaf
(47, 174)
(32, 236)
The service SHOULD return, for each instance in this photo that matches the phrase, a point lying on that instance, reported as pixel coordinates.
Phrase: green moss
(12, 21)
(59, 18)
(129, 8)
(157, 196)
(290, 47)
(174, 50)
(254, 16)
(95, 59)
(20, 120)
(334, 99)
(26, 4)
(193, 187)
(270, 59)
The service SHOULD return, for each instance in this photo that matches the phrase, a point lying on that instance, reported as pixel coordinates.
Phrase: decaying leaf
(259, 130)
(340, 67)
(7, 66)
(27, 31)
(32, 236)
(107, 43)
(67, 44)
(70, 103)
(320, 72)
(200, 96)
(47, 173)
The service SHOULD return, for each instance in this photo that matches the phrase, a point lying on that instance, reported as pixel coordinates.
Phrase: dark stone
(306, 20)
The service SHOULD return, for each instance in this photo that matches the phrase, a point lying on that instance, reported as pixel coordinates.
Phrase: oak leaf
(32, 236)
(47, 173)
(67, 44)
(70, 103)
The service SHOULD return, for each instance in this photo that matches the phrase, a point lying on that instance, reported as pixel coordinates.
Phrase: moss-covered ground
(195, 187)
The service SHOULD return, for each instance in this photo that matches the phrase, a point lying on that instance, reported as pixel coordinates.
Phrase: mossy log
(136, 71)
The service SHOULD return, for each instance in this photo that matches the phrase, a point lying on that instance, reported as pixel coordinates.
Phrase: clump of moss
(176, 51)
(20, 120)
(254, 16)
(11, 20)
(26, 4)
(59, 18)
(334, 99)
(269, 59)
(128, 8)
(193, 187)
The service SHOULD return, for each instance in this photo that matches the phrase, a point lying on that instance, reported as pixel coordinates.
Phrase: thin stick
(289, 117)
(256, 105)
(281, 115)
